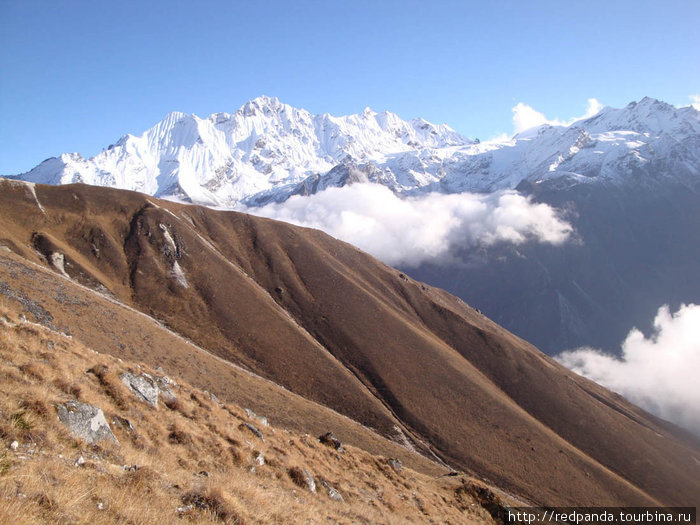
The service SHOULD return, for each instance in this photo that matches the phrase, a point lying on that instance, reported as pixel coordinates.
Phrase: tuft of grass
(236, 456)
(33, 370)
(173, 403)
(109, 384)
(67, 388)
(297, 476)
(21, 422)
(5, 463)
(179, 437)
(194, 397)
(36, 406)
(212, 500)
(46, 502)
(141, 477)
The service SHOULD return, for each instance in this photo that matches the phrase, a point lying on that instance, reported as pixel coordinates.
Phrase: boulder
(310, 483)
(164, 383)
(143, 386)
(147, 388)
(86, 422)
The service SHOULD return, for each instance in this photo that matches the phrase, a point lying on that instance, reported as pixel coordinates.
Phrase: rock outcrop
(86, 422)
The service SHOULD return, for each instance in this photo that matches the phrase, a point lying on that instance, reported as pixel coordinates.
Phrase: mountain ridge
(267, 151)
(339, 328)
(615, 178)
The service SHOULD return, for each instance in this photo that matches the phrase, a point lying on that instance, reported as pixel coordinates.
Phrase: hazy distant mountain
(627, 180)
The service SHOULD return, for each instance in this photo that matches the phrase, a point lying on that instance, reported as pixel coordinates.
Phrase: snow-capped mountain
(267, 151)
(229, 158)
(611, 147)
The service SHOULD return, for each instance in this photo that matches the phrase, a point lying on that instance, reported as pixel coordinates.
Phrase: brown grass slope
(342, 329)
(192, 458)
(107, 326)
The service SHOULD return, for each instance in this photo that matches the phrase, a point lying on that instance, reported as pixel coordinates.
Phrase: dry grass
(189, 459)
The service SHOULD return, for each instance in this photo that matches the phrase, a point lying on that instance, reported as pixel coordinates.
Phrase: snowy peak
(649, 115)
(266, 105)
(267, 150)
(228, 158)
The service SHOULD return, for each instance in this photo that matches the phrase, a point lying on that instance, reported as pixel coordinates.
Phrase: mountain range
(625, 179)
(268, 150)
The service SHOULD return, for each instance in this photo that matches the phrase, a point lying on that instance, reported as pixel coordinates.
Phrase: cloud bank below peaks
(410, 231)
(658, 373)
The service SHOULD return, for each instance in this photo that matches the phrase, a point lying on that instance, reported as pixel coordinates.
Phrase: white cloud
(658, 373)
(526, 117)
(410, 231)
(696, 101)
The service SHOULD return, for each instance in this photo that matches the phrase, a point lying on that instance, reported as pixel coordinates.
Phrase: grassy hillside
(192, 457)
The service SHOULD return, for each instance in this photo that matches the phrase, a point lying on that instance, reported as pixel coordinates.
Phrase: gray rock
(310, 483)
(396, 464)
(215, 399)
(254, 430)
(147, 388)
(86, 422)
(184, 510)
(261, 419)
(143, 386)
(332, 492)
(164, 383)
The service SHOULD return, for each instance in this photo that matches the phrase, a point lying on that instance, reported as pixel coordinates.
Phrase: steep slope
(195, 457)
(341, 329)
(627, 179)
(99, 321)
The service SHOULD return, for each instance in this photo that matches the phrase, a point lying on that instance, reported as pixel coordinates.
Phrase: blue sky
(75, 76)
